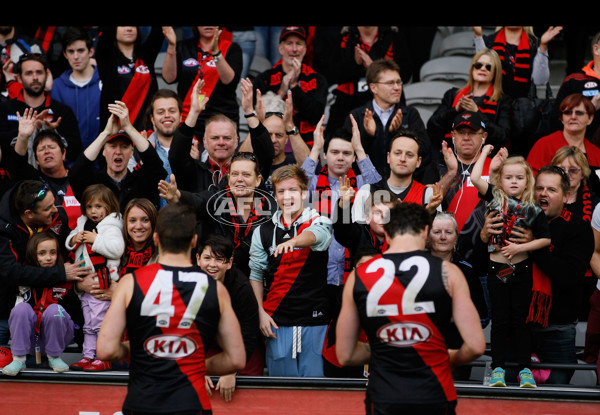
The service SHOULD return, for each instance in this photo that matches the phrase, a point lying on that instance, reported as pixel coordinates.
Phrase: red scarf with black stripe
(521, 63)
(138, 88)
(322, 204)
(238, 221)
(207, 70)
(135, 259)
(488, 106)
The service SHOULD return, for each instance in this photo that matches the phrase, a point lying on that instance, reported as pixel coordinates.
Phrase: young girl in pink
(98, 240)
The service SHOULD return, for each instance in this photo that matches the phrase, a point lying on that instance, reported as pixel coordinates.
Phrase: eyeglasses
(397, 82)
(479, 65)
(41, 195)
(275, 113)
(572, 170)
(555, 169)
(578, 113)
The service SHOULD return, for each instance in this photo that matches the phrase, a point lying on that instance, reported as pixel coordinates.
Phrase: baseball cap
(469, 119)
(292, 30)
(120, 134)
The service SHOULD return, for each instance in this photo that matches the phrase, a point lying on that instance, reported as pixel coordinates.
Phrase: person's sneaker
(526, 379)
(498, 377)
(13, 368)
(98, 366)
(58, 365)
(82, 364)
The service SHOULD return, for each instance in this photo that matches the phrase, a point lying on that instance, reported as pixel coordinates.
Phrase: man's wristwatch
(293, 131)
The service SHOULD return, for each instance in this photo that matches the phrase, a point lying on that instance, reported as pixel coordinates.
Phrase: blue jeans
(4, 333)
(247, 42)
(267, 42)
(556, 344)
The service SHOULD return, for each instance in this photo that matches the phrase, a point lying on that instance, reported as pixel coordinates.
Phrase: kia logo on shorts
(172, 347)
(404, 334)
(221, 203)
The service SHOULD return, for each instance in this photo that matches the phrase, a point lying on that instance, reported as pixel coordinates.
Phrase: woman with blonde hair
(483, 93)
(524, 56)
(582, 199)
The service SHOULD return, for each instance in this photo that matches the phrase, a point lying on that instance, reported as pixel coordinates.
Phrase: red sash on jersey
(428, 350)
(193, 365)
(468, 196)
(208, 73)
(415, 193)
(137, 90)
(290, 265)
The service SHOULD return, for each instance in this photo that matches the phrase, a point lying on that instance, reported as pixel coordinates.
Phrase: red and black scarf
(206, 71)
(136, 259)
(138, 88)
(322, 204)
(521, 62)
(240, 234)
(488, 106)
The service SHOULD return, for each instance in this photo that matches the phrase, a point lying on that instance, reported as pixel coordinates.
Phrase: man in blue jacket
(80, 86)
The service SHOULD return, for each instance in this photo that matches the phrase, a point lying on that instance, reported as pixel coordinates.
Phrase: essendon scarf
(541, 301)
(323, 191)
(135, 259)
(138, 88)
(487, 107)
(206, 71)
(323, 206)
(521, 63)
(382, 245)
(215, 168)
(238, 222)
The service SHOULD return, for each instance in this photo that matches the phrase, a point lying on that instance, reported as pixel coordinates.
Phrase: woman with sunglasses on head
(483, 93)
(576, 112)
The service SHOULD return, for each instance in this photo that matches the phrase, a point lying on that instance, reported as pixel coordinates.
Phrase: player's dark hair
(406, 218)
(176, 226)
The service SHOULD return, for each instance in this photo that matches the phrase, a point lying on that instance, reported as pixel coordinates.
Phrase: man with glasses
(31, 75)
(380, 118)
(28, 208)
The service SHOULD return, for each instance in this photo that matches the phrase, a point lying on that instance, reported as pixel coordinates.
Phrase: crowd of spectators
(287, 205)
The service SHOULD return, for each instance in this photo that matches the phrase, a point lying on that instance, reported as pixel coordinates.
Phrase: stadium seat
(453, 69)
